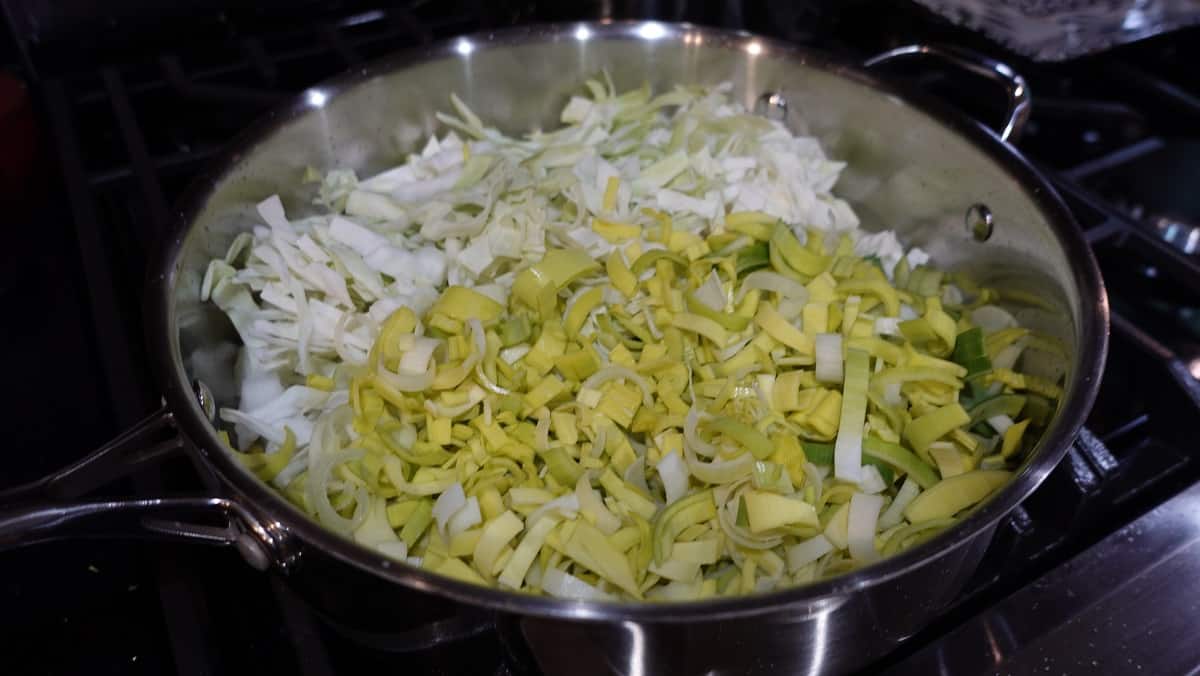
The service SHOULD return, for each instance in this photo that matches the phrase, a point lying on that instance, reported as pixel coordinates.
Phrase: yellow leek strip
(586, 302)
(749, 305)
(701, 325)
(691, 245)
(550, 345)
(387, 345)
(785, 396)
(942, 324)
(565, 427)
(755, 217)
(455, 568)
(703, 552)
(964, 439)
(544, 392)
(756, 224)
(1012, 438)
(820, 413)
(650, 258)
(619, 275)
(464, 543)
(814, 241)
(319, 382)
(451, 375)
(994, 342)
(877, 288)
(680, 573)
(615, 232)
(778, 328)
(461, 303)
(671, 521)
(644, 553)
(822, 289)
(925, 430)
(789, 453)
(557, 268)
(627, 495)
(398, 513)
(578, 365)
(814, 319)
(879, 348)
(619, 402)
(905, 535)
(666, 224)
(733, 322)
(625, 539)
(850, 314)
(949, 460)
(590, 549)
(495, 537)
(491, 505)
(273, 463)
(745, 435)
(837, 526)
(766, 510)
(513, 575)
(665, 276)
(610, 193)
(950, 496)
(1045, 342)
(922, 360)
(905, 374)
(1023, 382)
(795, 255)
(438, 430)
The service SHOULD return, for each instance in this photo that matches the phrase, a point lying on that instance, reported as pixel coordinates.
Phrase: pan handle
(50, 508)
(973, 62)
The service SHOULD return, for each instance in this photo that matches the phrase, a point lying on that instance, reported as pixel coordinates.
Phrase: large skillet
(942, 180)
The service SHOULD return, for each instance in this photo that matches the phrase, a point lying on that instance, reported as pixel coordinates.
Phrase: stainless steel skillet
(938, 178)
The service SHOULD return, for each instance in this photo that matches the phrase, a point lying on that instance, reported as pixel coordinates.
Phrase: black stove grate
(131, 131)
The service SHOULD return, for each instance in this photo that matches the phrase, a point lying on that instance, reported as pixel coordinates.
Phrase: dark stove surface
(128, 115)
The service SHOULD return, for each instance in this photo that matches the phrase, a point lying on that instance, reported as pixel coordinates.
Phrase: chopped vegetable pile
(645, 356)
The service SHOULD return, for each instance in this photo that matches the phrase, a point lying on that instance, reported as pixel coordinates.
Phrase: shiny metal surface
(833, 634)
(772, 106)
(151, 438)
(914, 166)
(177, 519)
(973, 62)
(980, 222)
(1127, 605)
(1052, 30)
(48, 509)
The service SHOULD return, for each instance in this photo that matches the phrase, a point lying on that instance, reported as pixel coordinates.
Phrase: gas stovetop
(1073, 582)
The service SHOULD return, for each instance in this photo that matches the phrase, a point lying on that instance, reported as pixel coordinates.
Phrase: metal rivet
(979, 222)
(253, 552)
(772, 106)
(204, 397)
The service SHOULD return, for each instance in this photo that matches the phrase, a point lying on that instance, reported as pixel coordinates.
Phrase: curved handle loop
(49, 508)
(150, 439)
(973, 62)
